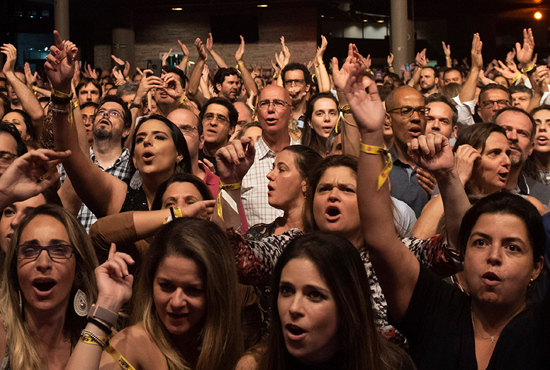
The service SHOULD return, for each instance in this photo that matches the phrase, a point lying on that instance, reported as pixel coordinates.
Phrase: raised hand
(60, 64)
(446, 49)
(114, 282)
(240, 51)
(465, 158)
(390, 59)
(209, 42)
(505, 71)
(165, 57)
(477, 57)
(11, 55)
(148, 82)
(363, 97)
(31, 174)
(286, 51)
(29, 76)
(432, 152)
(117, 60)
(321, 49)
(234, 160)
(525, 53)
(421, 60)
(184, 49)
(426, 180)
(172, 86)
(200, 49)
(340, 76)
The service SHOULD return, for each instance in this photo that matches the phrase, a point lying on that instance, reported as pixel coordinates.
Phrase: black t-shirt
(438, 326)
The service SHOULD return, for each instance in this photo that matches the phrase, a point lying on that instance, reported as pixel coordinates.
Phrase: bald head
(275, 90)
(400, 91)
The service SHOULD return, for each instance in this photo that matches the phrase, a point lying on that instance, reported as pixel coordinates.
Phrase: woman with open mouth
(316, 323)
(158, 148)
(46, 290)
(321, 116)
(187, 314)
(501, 239)
(482, 152)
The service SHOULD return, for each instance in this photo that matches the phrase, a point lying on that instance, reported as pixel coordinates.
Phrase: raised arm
(396, 267)
(102, 192)
(183, 64)
(26, 97)
(194, 80)
(350, 132)
(469, 88)
(248, 81)
(447, 52)
(114, 285)
(210, 47)
(234, 161)
(320, 68)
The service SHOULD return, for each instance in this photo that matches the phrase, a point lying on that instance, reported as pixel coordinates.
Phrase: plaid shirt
(120, 169)
(254, 186)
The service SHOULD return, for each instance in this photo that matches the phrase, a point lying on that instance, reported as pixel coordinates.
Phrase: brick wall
(158, 32)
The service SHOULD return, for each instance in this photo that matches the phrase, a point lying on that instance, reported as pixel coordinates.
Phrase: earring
(20, 302)
(80, 303)
(530, 284)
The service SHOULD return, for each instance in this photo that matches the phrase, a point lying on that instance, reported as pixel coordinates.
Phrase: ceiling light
(177, 9)
(538, 15)
(262, 5)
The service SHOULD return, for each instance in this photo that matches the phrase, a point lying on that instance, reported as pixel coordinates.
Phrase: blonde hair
(20, 341)
(204, 243)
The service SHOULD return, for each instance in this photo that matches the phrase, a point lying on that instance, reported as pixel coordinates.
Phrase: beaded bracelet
(90, 337)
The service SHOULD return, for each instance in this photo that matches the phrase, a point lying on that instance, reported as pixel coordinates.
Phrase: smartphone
(155, 65)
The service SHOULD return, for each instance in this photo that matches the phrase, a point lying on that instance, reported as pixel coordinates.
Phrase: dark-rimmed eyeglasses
(407, 111)
(111, 113)
(500, 103)
(209, 117)
(57, 251)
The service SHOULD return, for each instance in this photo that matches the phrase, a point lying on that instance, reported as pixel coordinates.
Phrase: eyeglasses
(88, 118)
(299, 83)
(209, 117)
(111, 113)
(277, 103)
(407, 111)
(7, 158)
(56, 251)
(187, 130)
(499, 103)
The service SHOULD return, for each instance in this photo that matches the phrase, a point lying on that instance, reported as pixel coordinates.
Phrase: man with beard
(111, 126)
(428, 81)
(296, 81)
(520, 130)
(227, 83)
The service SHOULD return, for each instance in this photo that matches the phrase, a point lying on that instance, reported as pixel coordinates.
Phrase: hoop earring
(80, 303)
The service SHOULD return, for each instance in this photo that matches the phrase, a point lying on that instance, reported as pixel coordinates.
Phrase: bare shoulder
(247, 362)
(134, 344)
(537, 203)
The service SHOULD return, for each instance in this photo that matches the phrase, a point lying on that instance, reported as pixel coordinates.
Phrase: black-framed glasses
(277, 103)
(209, 117)
(111, 113)
(88, 118)
(500, 103)
(7, 158)
(56, 251)
(407, 111)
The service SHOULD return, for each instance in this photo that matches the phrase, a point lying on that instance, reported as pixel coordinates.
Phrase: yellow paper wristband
(377, 150)
(219, 197)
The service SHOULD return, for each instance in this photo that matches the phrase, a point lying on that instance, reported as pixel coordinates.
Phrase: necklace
(493, 338)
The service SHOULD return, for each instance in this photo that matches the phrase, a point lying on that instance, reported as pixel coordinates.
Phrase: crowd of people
(322, 218)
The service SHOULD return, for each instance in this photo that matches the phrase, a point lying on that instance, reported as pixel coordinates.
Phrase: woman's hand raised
(114, 282)
(433, 153)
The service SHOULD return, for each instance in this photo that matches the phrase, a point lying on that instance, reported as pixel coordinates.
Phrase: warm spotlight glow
(262, 6)
(177, 9)
(380, 21)
(365, 20)
(538, 15)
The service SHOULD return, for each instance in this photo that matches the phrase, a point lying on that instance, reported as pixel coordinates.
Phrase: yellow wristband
(377, 150)
(223, 186)
(75, 105)
(529, 69)
(518, 76)
(61, 95)
(345, 108)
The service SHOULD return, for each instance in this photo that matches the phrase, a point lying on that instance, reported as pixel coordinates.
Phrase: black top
(438, 325)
